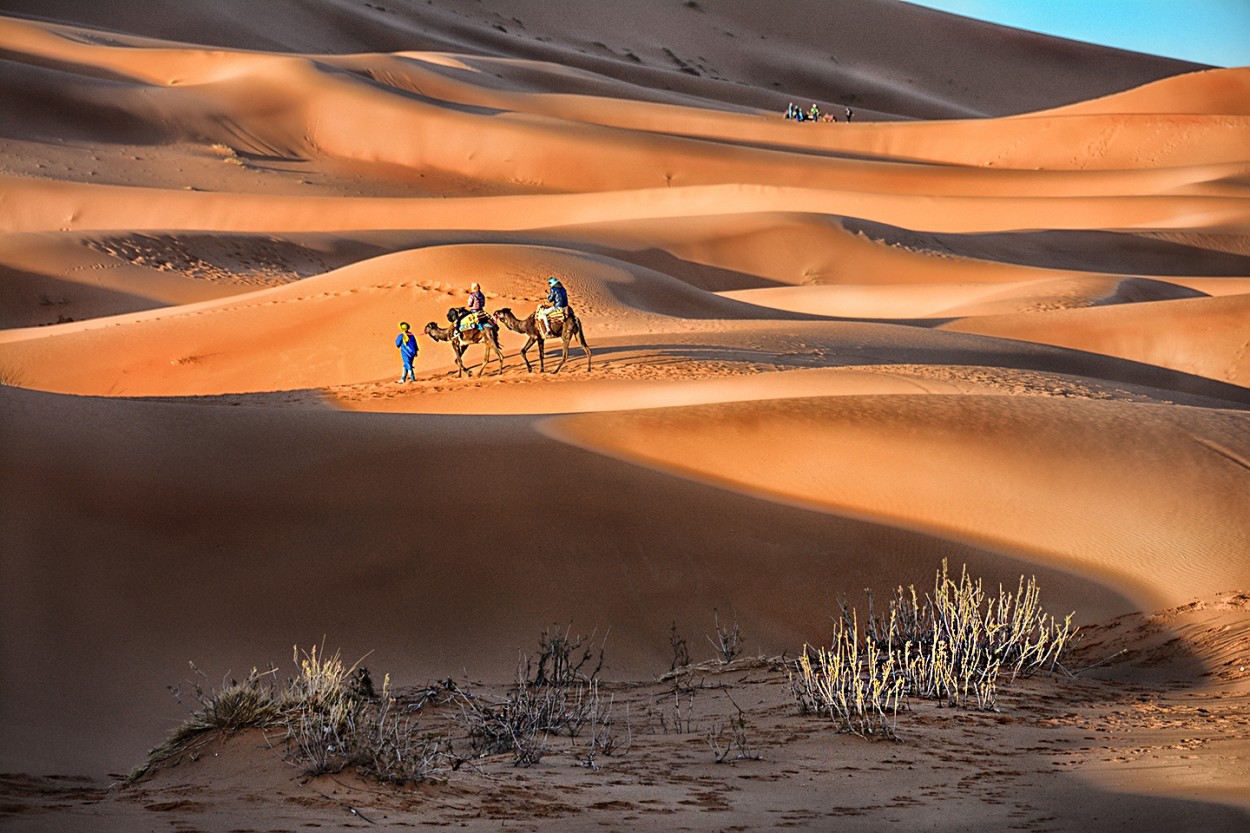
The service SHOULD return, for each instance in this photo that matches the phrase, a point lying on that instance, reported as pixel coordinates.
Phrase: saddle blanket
(471, 321)
(552, 313)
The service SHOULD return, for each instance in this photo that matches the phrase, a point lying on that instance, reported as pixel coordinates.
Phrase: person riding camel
(476, 304)
(557, 299)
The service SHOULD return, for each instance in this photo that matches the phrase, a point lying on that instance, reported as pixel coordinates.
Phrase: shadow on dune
(34, 300)
(811, 346)
(1109, 252)
(187, 533)
(60, 102)
(444, 543)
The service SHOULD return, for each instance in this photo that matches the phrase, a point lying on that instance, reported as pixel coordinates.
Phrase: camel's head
(430, 329)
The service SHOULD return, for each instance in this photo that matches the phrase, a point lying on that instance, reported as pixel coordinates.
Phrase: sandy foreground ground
(1000, 318)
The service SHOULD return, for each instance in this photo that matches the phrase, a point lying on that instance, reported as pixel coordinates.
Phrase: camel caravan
(472, 324)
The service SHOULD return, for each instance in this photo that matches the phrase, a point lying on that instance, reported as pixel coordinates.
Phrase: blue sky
(1207, 31)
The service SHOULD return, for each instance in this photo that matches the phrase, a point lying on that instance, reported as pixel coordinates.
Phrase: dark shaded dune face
(244, 259)
(34, 300)
(1144, 290)
(1118, 253)
(47, 103)
(223, 554)
(930, 64)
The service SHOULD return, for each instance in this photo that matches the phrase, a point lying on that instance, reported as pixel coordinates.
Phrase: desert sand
(1000, 318)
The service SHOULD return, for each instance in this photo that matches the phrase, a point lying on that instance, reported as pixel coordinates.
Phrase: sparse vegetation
(603, 737)
(558, 663)
(737, 744)
(852, 682)
(953, 646)
(334, 719)
(227, 153)
(329, 715)
(556, 693)
(681, 653)
(728, 641)
(681, 720)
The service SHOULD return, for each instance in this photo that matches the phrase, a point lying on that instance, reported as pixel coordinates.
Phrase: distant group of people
(796, 113)
(475, 316)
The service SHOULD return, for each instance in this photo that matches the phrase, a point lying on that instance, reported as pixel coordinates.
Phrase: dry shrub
(558, 662)
(728, 641)
(952, 646)
(853, 682)
(234, 707)
(330, 717)
(227, 153)
(555, 694)
(681, 653)
(737, 745)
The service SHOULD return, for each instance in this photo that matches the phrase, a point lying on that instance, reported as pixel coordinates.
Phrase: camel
(461, 339)
(566, 331)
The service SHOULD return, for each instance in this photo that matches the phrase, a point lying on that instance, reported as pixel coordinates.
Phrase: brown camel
(566, 331)
(461, 339)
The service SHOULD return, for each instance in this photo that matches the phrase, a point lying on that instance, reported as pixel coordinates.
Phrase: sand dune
(1205, 336)
(963, 465)
(1000, 318)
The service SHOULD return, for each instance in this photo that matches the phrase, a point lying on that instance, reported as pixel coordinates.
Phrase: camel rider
(557, 298)
(477, 302)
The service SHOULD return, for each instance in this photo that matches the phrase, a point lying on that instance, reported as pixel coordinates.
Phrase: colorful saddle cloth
(473, 320)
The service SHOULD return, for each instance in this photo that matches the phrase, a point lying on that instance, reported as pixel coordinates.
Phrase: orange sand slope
(1002, 317)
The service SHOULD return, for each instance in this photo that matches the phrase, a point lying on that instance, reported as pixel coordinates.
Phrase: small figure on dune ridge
(796, 113)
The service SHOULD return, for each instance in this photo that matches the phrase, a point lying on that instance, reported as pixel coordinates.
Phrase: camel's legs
(581, 336)
(542, 348)
(492, 343)
(529, 342)
(564, 344)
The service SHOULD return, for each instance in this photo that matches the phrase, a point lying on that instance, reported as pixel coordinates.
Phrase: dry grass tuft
(952, 646)
(227, 154)
(236, 706)
(10, 378)
(330, 719)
